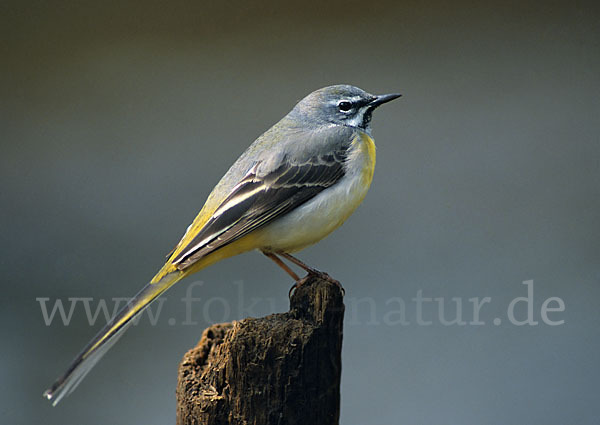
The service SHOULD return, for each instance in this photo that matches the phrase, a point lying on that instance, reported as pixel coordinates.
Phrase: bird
(293, 186)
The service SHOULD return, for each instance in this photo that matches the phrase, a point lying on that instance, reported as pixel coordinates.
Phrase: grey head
(339, 105)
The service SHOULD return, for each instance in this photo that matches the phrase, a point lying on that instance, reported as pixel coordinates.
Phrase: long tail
(107, 337)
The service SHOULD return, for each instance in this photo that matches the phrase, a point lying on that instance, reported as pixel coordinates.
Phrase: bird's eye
(345, 106)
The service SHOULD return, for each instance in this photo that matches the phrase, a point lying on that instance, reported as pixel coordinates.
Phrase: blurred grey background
(117, 118)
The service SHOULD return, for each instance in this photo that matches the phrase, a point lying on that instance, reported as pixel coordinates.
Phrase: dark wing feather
(256, 201)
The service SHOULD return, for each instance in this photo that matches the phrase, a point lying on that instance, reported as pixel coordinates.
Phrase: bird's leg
(297, 279)
(302, 265)
(311, 271)
(284, 266)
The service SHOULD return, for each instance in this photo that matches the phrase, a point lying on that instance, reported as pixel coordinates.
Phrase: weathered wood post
(281, 369)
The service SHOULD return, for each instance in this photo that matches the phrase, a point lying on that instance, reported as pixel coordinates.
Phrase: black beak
(384, 98)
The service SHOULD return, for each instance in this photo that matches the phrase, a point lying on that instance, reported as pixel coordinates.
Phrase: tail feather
(108, 336)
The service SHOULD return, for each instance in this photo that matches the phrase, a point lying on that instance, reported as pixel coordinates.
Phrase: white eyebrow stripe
(352, 99)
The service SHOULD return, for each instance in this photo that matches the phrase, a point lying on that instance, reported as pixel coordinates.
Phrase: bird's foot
(318, 274)
(311, 272)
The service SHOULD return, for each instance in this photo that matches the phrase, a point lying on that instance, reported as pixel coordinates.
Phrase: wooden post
(281, 369)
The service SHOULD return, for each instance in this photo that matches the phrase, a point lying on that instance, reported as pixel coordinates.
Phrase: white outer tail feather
(107, 337)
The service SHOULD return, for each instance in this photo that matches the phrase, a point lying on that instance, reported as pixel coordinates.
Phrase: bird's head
(341, 105)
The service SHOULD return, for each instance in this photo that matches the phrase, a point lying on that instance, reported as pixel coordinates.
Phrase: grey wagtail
(293, 186)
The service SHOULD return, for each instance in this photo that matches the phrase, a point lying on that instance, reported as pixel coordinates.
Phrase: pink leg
(310, 270)
(281, 264)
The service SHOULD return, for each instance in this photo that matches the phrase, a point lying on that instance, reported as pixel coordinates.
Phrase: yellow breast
(368, 149)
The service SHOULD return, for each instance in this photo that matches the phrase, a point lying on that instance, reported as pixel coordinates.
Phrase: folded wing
(258, 200)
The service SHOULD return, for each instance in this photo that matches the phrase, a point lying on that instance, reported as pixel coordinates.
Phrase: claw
(321, 275)
(311, 271)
